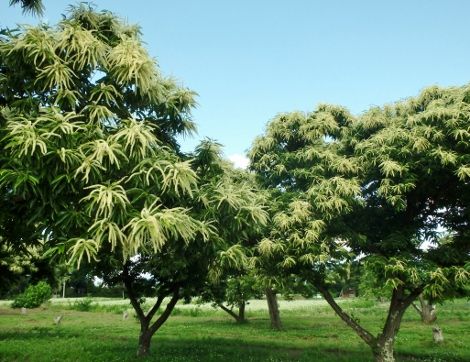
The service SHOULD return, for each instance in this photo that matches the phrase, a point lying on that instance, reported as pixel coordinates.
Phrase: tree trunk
(63, 289)
(428, 311)
(383, 348)
(384, 351)
(240, 317)
(147, 330)
(273, 307)
(144, 343)
(382, 345)
(241, 313)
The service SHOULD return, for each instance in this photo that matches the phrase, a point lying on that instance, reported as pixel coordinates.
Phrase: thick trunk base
(384, 352)
(144, 345)
(241, 320)
(240, 317)
(273, 307)
(241, 313)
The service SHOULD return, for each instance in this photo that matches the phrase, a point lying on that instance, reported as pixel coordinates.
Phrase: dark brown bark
(127, 280)
(166, 313)
(240, 317)
(361, 332)
(383, 349)
(144, 343)
(155, 308)
(229, 311)
(382, 345)
(273, 307)
(241, 312)
(147, 329)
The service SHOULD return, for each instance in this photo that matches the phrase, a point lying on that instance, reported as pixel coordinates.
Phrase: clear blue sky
(251, 59)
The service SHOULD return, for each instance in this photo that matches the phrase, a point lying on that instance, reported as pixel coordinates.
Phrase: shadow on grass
(46, 344)
(182, 342)
(38, 332)
(216, 349)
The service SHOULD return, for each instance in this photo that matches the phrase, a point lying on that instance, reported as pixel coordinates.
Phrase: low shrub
(82, 305)
(33, 296)
(359, 303)
(194, 312)
(91, 305)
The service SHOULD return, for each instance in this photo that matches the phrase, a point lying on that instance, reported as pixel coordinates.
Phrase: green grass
(199, 333)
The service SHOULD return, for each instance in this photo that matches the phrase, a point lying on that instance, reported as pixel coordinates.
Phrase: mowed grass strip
(201, 334)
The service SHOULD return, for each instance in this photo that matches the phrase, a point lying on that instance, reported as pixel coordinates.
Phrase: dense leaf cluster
(91, 166)
(388, 190)
(33, 296)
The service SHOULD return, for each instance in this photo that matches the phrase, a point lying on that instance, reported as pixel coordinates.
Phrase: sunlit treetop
(95, 65)
(88, 131)
(382, 184)
(89, 125)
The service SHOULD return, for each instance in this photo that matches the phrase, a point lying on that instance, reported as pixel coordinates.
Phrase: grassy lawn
(199, 333)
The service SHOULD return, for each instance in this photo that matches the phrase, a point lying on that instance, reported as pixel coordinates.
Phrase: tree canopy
(379, 187)
(34, 7)
(90, 162)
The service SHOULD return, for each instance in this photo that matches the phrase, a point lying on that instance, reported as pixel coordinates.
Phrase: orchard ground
(94, 330)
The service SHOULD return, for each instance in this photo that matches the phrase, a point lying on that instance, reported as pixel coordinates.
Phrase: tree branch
(398, 305)
(229, 311)
(155, 308)
(417, 308)
(130, 292)
(166, 313)
(413, 295)
(360, 331)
